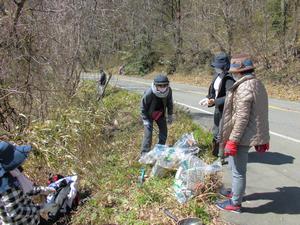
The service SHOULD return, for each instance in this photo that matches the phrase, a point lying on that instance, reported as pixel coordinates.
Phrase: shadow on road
(283, 201)
(273, 158)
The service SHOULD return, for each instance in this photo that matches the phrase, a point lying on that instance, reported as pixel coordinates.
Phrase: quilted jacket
(245, 116)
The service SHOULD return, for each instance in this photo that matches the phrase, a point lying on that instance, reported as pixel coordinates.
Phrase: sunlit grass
(100, 141)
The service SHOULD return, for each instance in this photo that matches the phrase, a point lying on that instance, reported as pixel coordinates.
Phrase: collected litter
(141, 178)
(190, 177)
(191, 170)
(170, 157)
(66, 196)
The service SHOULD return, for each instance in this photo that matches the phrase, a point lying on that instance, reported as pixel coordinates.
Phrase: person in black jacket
(218, 88)
(101, 81)
(156, 101)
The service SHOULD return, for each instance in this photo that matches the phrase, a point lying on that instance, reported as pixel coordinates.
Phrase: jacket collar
(242, 80)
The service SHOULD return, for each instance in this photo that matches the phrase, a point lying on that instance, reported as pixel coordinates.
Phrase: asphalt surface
(273, 179)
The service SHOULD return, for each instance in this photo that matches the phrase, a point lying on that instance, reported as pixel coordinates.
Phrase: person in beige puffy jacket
(244, 124)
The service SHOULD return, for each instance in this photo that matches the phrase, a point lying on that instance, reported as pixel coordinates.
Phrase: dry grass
(101, 143)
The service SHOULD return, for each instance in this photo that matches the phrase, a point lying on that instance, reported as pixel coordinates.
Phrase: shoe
(226, 192)
(228, 205)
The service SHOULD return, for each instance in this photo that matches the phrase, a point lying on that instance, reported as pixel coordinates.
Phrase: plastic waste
(191, 175)
(158, 171)
(152, 156)
(170, 157)
(141, 178)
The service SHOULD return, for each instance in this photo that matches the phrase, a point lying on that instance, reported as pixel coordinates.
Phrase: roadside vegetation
(100, 141)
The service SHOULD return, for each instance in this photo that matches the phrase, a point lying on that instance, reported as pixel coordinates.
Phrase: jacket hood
(159, 94)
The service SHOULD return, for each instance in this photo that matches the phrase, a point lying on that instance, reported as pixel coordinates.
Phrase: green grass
(100, 141)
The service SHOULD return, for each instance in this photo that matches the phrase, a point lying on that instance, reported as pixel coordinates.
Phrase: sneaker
(226, 192)
(228, 205)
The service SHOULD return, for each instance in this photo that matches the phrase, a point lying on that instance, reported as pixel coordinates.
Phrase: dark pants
(148, 130)
(216, 136)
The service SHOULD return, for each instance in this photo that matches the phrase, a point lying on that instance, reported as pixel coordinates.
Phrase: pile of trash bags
(66, 196)
(191, 170)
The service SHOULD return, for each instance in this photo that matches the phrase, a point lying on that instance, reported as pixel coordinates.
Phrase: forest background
(45, 45)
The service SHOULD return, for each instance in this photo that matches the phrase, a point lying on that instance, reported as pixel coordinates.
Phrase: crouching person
(16, 206)
(244, 124)
(156, 101)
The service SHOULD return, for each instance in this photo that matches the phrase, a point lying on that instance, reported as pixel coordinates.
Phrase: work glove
(47, 190)
(230, 148)
(204, 102)
(49, 208)
(262, 148)
(146, 123)
(170, 119)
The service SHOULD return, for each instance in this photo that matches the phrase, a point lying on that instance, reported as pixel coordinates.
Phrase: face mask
(218, 70)
(162, 89)
(236, 76)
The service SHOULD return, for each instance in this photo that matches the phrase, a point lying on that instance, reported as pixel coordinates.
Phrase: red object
(262, 148)
(53, 178)
(230, 148)
(156, 115)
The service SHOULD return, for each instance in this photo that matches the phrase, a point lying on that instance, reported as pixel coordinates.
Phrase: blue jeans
(238, 164)
(148, 130)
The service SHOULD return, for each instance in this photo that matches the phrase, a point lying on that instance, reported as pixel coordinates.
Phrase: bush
(142, 62)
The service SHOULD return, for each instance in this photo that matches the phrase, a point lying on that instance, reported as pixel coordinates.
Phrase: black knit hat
(161, 80)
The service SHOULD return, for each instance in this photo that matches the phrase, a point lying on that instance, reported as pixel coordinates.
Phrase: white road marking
(285, 137)
(271, 132)
(192, 107)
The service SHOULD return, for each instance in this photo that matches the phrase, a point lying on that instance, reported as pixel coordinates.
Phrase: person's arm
(170, 103)
(12, 203)
(145, 104)
(221, 101)
(244, 100)
(40, 190)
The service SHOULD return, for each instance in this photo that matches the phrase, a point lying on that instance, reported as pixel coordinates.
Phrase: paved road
(273, 179)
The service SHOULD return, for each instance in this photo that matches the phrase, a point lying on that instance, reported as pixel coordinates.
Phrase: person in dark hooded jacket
(156, 103)
(102, 81)
(221, 83)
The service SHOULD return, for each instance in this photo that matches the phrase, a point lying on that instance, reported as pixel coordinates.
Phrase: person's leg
(238, 165)
(215, 147)
(163, 130)
(215, 131)
(147, 139)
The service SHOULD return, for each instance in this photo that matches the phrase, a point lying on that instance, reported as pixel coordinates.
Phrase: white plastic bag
(153, 155)
(190, 176)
